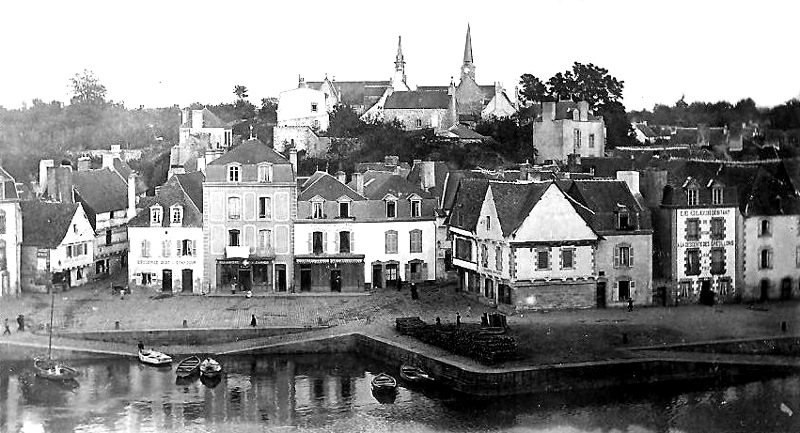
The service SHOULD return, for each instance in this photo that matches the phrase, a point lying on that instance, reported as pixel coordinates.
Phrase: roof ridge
(187, 196)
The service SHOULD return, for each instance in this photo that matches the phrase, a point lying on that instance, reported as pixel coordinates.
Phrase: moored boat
(153, 357)
(188, 367)
(384, 382)
(49, 369)
(210, 368)
(413, 374)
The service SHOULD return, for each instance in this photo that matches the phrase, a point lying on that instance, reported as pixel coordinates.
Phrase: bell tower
(399, 79)
(468, 68)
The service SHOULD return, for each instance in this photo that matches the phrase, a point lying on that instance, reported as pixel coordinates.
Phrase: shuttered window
(391, 242)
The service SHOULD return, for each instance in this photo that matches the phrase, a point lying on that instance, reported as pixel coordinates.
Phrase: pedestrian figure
(630, 304)
(414, 293)
(141, 346)
(7, 330)
(21, 323)
(458, 319)
(438, 321)
(253, 320)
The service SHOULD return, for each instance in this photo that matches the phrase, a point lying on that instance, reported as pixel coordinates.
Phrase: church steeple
(399, 79)
(468, 68)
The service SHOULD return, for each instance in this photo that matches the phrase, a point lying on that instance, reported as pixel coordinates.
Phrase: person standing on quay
(253, 321)
(21, 323)
(7, 330)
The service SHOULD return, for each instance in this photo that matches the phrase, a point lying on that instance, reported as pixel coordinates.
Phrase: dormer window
(156, 214)
(344, 208)
(265, 173)
(716, 194)
(416, 208)
(317, 209)
(692, 196)
(391, 208)
(177, 215)
(233, 173)
(623, 219)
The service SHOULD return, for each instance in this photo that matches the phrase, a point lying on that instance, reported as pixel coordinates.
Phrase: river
(332, 394)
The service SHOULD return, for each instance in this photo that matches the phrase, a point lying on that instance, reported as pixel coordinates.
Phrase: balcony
(237, 252)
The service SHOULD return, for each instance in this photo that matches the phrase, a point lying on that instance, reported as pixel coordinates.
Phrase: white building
(203, 126)
(166, 237)
(10, 236)
(302, 112)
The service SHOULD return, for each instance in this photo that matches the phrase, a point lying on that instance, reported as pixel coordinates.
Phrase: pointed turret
(468, 68)
(399, 79)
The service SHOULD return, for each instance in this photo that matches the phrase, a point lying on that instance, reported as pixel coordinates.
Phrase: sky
(162, 53)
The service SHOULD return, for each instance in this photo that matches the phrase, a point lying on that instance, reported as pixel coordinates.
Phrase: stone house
(203, 129)
(10, 236)
(302, 113)
(421, 109)
(57, 240)
(249, 208)
(565, 128)
(166, 237)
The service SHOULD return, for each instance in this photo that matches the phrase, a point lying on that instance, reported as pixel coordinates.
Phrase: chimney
(59, 183)
(211, 155)
(176, 169)
(201, 164)
(427, 177)
(131, 195)
(631, 178)
(358, 179)
(197, 119)
(84, 163)
(574, 163)
(184, 115)
(549, 110)
(44, 164)
(391, 160)
(293, 159)
(116, 150)
(341, 176)
(583, 111)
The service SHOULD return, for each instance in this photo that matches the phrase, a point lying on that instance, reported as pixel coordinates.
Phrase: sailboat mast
(50, 339)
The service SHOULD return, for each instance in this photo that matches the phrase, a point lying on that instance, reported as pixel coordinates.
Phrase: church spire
(468, 68)
(399, 79)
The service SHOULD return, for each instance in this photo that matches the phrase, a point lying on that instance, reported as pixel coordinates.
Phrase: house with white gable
(10, 235)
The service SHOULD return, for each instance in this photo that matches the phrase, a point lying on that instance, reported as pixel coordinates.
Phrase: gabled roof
(605, 197)
(646, 130)
(440, 171)
(461, 132)
(101, 190)
(251, 151)
(327, 187)
(170, 194)
(514, 201)
(210, 120)
(192, 184)
(44, 224)
(8, 184)
(467, 202)
(417, 100)
(355, 92)
(377, 184)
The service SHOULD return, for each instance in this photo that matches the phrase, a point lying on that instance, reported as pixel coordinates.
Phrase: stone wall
(551, 295)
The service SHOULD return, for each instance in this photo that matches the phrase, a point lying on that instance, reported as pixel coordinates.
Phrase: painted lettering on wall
(705, 244)
(703, 212)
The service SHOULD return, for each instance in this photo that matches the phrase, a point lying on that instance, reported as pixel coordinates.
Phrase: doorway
(706, 295)
(305, 279)
(187, 281)
(786, 289)
(764, 286)
(392, 275)
(245, 280)
(600, 295)
(166, 280)
(280, 278)
(336, 280)
(377, 276)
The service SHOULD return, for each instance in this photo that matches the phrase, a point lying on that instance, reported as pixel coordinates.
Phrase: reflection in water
(333, 393)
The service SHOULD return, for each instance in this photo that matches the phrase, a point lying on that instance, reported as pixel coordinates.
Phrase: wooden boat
(188, 367)
(153, 357)
(409, 373)
(384, 382)
(50, 369)
(210, 368)
(211, 381)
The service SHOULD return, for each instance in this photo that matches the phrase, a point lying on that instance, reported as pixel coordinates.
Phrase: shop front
(329, 273)
(241, 275)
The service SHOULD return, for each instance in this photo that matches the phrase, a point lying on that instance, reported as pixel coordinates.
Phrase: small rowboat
(210, 368)
(413, 374)
(188, 367)
(384, 382)
(153, 357)
(48, 369)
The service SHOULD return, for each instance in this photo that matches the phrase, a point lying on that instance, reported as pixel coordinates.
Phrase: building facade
(250, 204)
(302, 112)
(166, 238)
(10, 236)
(202, 129)
(565, 128)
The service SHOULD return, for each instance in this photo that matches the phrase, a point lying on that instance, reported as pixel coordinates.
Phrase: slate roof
(192, 184)
(9, 185)
(210, 120)
(328, 187)
(44, 224)
(377, 184)
(440, 171)
(514, 202)
(684, 136)
(251, 151)
(170, 194)
(356, 92)
(455, 177)
(100, 190)
(646, 130)
(417, 100)
(461, 132)
(467, 202)
(605, 197)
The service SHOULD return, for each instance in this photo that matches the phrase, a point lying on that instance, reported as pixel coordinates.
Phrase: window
(691, 196)
(624, 290)
(419, 123)
(314, 107)
(318, 246)
(344, 209)
(166, 247)
(391, 209)
(463, 249)
(764, 228)
(391, 242)
(416, 208)
(234, 208)
(316, 123)
(75, 226)
(265, 173)
(484, 256)
(542, 259)
(577, 137)
(69, 250)
(623, 256)
(145, 248)
(316, 209)
(264, 239)
(498, 258)
(2, 222)
(233, 238)
(488, 222)
(797, 256)
(567, 258)
(3, 258)
(591, 141)
(415, 237)
(765, 259)
(108, 237)
(79, 274)
(155, 217)
(693, 261)
(717, 261)
(344, 242)
(717, 228)
(692, 229)
(177, 215)
(233, 173)
(186, 247)
(716, 195)
(265, 207)
(623, 219)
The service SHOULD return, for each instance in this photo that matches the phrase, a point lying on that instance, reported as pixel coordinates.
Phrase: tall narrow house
(10, 236)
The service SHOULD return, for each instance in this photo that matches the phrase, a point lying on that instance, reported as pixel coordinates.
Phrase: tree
(533, 89)
(86, 89)
(344, 122)
(240, 91)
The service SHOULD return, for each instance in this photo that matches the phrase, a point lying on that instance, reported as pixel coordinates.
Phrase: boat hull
(157, 359)
(188, 367)
(54, 371)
